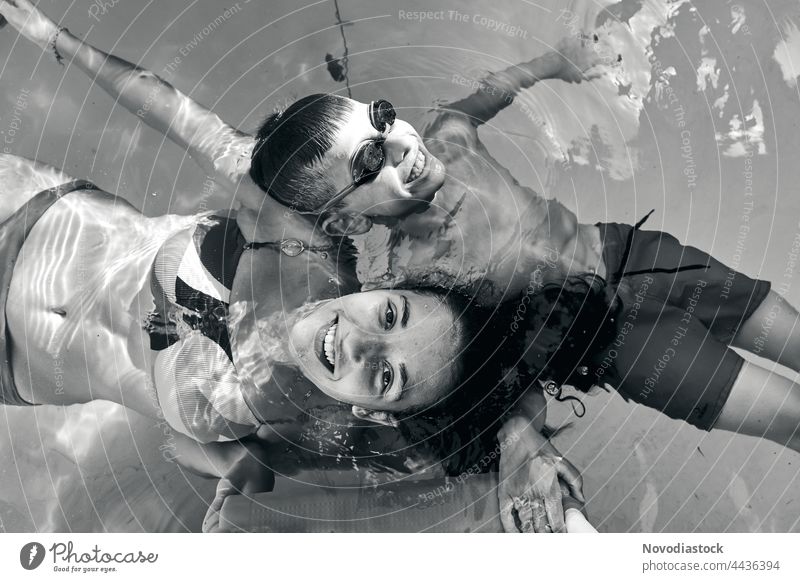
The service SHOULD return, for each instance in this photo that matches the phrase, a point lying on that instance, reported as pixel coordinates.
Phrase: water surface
(699, 122)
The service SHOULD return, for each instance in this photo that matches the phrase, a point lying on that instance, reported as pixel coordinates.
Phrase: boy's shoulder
(448, 126)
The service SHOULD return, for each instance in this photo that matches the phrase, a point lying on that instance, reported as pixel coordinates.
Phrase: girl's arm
(216, 146)
(242, 467)
(246, 462)
(211, 460)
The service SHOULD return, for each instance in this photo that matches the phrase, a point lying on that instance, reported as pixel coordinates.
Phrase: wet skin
(381, 350)
(483, 230)
(81, 293)
(398, 186)
(78, 300)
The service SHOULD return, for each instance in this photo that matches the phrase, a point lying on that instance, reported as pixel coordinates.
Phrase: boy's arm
(533, 408)
(575, 59)
(530, 470)
(190, 125)
(497, 90)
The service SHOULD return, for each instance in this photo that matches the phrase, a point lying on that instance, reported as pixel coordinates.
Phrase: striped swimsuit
(195, 379)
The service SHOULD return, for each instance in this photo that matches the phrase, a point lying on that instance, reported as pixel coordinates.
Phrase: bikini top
(194, 373)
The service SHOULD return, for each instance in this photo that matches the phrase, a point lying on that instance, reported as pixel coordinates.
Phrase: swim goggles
(368, 160)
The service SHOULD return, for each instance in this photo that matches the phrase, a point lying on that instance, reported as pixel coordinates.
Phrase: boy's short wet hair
(290, 146)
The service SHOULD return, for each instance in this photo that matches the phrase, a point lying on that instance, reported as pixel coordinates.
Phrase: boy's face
(410, 174)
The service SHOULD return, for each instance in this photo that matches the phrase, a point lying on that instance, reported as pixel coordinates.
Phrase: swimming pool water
(699, 122)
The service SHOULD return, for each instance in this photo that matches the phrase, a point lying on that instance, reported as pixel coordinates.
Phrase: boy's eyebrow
(406, 312)
(403, 376)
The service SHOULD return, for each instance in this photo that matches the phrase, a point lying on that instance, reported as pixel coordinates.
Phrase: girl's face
(380, 350)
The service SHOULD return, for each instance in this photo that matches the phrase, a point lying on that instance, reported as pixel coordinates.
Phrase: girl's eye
(387, 376)
(388, 317)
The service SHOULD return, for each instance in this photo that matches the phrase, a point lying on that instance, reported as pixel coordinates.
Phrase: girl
(152, 313)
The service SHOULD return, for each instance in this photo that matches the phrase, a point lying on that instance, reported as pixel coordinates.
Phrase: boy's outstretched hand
(29, 21)
(584, 58)
(530, 470)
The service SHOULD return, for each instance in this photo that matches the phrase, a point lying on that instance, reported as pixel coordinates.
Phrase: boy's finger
(210, 521)
(555, 514)
(539, 514)
(571, 476)
(507, 516)
(525, 513)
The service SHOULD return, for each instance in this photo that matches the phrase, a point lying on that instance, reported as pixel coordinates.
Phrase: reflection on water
(693, 106)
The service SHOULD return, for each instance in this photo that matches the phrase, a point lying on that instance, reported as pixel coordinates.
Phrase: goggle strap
(336, 199)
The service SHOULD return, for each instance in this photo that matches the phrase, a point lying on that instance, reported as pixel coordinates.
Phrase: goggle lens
(368, 161)
(381, 114)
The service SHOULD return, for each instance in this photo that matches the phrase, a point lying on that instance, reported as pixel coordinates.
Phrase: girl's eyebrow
(403, 376)
(406, 312)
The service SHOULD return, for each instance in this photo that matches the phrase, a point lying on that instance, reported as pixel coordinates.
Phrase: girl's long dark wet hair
(503, 352)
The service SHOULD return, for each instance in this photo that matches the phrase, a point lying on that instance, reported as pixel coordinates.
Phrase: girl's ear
(378, 417)
(387, 221)
(345, 224)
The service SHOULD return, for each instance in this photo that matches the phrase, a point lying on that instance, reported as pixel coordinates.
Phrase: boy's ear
(378, 417)
(345, 224)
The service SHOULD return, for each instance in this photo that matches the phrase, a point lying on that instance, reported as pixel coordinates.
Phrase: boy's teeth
(330, 352)
(416, 170)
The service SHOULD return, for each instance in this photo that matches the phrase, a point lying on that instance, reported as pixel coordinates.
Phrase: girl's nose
(360, 349)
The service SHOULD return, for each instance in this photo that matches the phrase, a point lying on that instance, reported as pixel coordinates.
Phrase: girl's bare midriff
(79, 300)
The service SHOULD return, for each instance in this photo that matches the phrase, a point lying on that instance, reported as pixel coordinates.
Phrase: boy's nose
(397, 147)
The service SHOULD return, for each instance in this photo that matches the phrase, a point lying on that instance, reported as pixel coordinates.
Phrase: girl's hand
(29, 21)
(530, 470)
(211, 522)
(249, 474)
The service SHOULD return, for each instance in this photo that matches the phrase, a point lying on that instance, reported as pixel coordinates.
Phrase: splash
(787, 53)
(744, 137)
(618, 91)
(260, 343)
